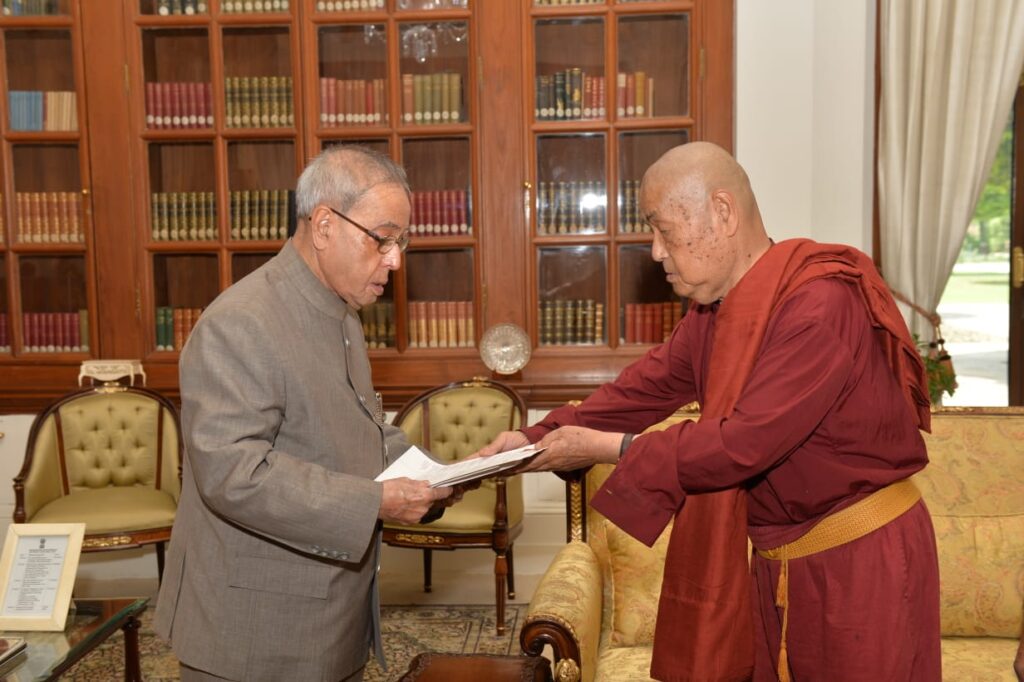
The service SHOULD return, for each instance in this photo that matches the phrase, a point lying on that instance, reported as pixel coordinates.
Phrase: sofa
(596, 604)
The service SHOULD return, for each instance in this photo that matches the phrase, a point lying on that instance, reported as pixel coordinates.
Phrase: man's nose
(658, 252)
(393, 259)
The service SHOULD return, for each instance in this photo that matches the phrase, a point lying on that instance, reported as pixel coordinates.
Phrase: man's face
(689, 241)
(349, 260)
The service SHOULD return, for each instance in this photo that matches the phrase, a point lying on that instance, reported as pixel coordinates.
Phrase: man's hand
(506, 440)
(407, 501)
(573, 447)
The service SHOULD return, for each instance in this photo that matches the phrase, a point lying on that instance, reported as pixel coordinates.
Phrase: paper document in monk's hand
(416, 465)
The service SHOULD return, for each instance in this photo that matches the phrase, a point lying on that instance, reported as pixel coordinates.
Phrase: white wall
(804, 110)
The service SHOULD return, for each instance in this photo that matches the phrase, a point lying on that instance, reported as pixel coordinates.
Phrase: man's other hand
(407, 501)
(506, 440)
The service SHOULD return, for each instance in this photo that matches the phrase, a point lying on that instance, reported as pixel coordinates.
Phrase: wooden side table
(434, 667)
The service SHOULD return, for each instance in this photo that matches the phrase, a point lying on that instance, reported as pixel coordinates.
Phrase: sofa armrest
(565, 613)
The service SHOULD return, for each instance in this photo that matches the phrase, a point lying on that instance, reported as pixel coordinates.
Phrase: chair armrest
(565, 613)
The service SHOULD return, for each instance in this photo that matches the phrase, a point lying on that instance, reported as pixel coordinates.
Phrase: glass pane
(166, 8)
(22, 8)
(349, 5)
(440, 307)
(183, 285)
(571, 189)
(435, 69)
(353, 75)
(378, 320)
(176, 68)
(654, 50)
(572, 293)
(650, 308)
(183, 203)
(569, 75)
(378, 145)
(637, 151)
(5, 322)
(439, 172)
(428, 5)
(47, 193)
(55, 315)
(258, 81)
(243, 264)
(236, 6)
(40, 80)
(261, 176)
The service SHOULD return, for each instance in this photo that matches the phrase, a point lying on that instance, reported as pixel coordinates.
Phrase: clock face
(505, 348)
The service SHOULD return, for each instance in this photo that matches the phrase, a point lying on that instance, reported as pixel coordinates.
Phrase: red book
(208, 103)
(177, 105)
(151, 105)
(630, 323)
(417, 213)
(74, 330)
(588, 96)
(339, 102)
(189, 106)
(463, 210)
(638, 330)
(3, 331)
(49, 332)
(325, 104)
(658, 325)
(160, 114)
(26, 330)
(60, 333)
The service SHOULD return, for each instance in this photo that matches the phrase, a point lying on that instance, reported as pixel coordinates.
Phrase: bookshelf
(47, 296)
(181, 164)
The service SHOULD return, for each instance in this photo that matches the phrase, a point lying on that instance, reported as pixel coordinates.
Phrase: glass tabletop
(90, 623)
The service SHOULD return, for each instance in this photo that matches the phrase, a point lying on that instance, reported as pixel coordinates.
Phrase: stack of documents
(416, 465)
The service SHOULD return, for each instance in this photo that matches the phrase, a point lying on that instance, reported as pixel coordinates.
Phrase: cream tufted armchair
(108, 457)
(452, 422)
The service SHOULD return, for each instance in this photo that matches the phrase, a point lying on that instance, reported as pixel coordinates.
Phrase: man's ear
(320, 227)
(723, 204)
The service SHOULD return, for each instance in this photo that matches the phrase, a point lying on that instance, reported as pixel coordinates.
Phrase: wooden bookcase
(200, 116)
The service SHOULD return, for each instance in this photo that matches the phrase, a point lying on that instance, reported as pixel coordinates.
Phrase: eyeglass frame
(384, 244)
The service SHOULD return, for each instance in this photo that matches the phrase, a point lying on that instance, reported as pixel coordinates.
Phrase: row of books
(5, 334)
(571, 322)
(49, 217)
(259, 101)
(183, 216)
(179, 105)
(575, 207)
(630, 219)
(173, 326)
(431, 98)
(441, 324)
(17, 8)
(237, 6)
(177, 7)
(42, 110)
(351, 102)
(55, 332)
(569, 94)
(378, 324)
(441, 212)
(349, 5)
(651, 322)
(634, 95)
(261, 213)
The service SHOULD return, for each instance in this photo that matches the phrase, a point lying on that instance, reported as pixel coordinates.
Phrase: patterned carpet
(407, 630)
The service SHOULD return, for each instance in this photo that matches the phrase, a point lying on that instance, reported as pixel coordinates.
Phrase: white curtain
(949, 71)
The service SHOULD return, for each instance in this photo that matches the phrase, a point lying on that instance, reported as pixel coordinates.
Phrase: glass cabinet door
(434, 69)
(176, 72)
(184, 284)
(653, 66)
(54, 305)
(571, 286)
(353, 75)
(261, 175)
(48, 194)
(182, 199)
(637, 151)
(440, 309)
(439, 173)
(258, 87)
(571, 187)
(649, 308)
(569, 81)
(40, 80)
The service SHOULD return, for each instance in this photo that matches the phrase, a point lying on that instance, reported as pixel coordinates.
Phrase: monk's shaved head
(707, 227)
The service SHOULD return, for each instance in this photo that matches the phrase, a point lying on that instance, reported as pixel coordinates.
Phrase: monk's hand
(506, 440)
(407, 501)
(573, 447)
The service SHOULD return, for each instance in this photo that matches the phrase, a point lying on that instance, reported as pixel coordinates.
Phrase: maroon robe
(819, 421)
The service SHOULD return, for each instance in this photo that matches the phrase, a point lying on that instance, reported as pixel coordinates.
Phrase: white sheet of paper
(416, 465)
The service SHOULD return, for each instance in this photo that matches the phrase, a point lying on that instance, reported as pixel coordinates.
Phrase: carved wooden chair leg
(427, 565)
(511, 575)
(500, 575)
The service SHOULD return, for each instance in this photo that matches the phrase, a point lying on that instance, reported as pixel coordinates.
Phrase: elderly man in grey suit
(272, 564)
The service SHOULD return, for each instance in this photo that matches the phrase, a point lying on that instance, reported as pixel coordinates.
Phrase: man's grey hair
(340, 175)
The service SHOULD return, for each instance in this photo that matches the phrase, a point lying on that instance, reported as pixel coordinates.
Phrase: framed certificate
(37, 574)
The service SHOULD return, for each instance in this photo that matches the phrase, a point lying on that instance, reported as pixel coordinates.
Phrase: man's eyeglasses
(384, 244)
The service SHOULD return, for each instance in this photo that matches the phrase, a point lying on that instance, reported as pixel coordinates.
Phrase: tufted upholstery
(452, 422)
(108, 457)
(972, 486)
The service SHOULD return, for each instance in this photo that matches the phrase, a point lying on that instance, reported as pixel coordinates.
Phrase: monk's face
(348, 260)
(690, 242)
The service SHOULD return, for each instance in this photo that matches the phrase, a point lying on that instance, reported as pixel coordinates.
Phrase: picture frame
(37, 575)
